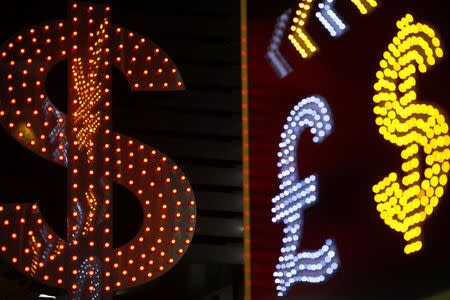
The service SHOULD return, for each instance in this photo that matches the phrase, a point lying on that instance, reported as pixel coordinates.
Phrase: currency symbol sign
(296, 195)
(86, 263)
(404, 203)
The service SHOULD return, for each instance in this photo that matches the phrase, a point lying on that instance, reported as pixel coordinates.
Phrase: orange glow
(98, 157)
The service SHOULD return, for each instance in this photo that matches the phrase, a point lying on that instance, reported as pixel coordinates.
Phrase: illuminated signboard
(404, 202)
(86, 263)
(329, 18)
(297, 195)
(300, 38)
(274, 56)
(362, 178)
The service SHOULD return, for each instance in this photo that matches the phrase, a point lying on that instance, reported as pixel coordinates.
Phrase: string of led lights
(57, 135)
(88, 93)
(364, 6)
(274, 56)
(405, 202)
(329, 18)
(245, 152)
(300, 38)
(162, 189)
(89, 276)
(297, 195)
(44, 248)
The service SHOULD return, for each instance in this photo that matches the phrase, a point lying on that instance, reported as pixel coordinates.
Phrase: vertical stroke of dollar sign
(421, 130)
(297, 195)
(85, 263)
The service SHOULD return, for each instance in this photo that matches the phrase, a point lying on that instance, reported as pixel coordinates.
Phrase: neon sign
(296, 196)
(329, 19)
(86, 264)
(405, 202)
(364, 6)
(274, 56)
(300, 38)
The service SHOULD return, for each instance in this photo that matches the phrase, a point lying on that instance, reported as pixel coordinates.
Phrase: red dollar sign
(85, 263)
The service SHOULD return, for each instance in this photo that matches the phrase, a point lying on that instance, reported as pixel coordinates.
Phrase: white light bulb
(295, 195)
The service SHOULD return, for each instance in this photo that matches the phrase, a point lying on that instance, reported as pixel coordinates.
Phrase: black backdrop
(199, 128)
(349, 161)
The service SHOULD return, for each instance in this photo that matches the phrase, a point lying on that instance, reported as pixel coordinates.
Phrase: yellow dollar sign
(404, 202)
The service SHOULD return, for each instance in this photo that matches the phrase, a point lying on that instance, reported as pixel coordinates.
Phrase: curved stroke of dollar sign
(297, 195)
(421, 130)
(85, 263)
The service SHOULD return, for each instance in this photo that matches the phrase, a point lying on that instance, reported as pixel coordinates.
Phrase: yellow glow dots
(87, 263)
(91, 211)
(88, 91)
(364, 6)
(299, 37)
(421, 130)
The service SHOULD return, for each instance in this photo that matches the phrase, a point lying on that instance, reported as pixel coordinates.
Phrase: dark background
(349, 162)
(199, 128)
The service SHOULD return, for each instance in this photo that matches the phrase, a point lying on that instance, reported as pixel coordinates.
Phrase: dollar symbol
(405, 202)
(85, 263)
